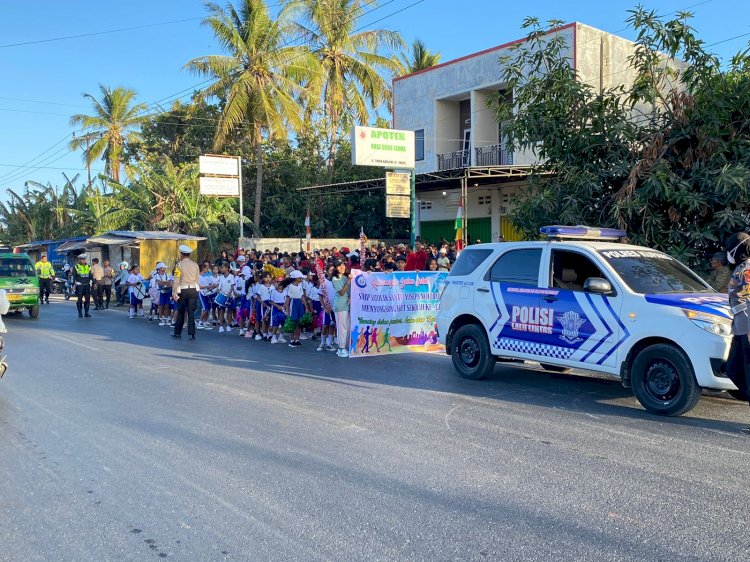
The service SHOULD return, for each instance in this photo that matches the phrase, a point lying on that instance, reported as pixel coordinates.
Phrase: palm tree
(261, 79)
(113, 124)
(418, 58)
(357, 64)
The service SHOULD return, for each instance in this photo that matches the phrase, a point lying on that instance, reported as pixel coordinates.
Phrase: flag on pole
(459, 228)
(362, 243)
(307, 229)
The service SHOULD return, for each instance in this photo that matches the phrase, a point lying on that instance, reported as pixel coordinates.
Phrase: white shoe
(274, 339)
(221, 329)
(282, 339)
(321, 347)
(304, 336)
(207, 328)
(242, 332)
(131, 316)
(331, 348)
(229, 328)
(344, 353)
(258, 337)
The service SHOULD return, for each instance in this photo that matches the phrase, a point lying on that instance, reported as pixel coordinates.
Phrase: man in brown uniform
(97, 274)
(185, 292)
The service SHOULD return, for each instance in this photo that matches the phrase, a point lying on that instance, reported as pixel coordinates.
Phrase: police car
(583, 300)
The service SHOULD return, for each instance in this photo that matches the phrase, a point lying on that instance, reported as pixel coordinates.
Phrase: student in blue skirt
(296, 303)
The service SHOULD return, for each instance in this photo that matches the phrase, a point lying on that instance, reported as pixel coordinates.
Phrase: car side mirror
(598, 286)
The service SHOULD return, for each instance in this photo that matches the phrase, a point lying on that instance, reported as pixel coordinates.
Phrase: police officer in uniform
(185, 292)
(82, 277)
(46, 272)
(738, 363)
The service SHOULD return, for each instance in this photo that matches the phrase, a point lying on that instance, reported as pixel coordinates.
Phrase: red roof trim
(480, 53)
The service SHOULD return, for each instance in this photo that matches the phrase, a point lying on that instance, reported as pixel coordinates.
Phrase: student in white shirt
(278, 317)
(263, 308)
(206, 286)
(225, 294)
(136, 291)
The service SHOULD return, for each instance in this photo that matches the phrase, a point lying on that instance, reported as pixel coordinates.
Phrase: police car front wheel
(663, 380)
(471, 353)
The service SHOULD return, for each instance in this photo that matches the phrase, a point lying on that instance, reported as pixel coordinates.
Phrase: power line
(94, 33)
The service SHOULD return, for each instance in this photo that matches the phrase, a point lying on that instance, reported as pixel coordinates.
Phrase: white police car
(583, 300)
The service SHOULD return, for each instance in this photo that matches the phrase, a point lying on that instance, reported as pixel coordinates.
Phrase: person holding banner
(342, 285)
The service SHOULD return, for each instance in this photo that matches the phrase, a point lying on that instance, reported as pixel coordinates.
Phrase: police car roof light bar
(580, 232)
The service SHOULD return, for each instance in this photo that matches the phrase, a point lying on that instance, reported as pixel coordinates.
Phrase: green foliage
(666, 157)
(112, 124)
(418, 58)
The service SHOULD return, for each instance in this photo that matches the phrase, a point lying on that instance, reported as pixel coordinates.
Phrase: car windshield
(16, 267)
(652, 273)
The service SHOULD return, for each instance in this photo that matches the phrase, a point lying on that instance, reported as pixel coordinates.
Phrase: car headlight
(712, 323)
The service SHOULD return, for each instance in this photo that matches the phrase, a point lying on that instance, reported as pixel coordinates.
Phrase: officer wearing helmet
(185, 291)
(82, 279)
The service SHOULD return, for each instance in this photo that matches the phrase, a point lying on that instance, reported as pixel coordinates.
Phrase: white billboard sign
(386, 148)
(219, 165)
(222, 187)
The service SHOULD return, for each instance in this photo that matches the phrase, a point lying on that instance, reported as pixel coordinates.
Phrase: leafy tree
(182, 133)
(260, 81)
(664, 157)
(357, 65)
(113, 124)
(418, 58)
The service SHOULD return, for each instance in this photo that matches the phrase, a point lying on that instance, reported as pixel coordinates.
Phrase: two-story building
(460, 147)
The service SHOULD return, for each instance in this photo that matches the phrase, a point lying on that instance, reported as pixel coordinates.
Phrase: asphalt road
(119, 443)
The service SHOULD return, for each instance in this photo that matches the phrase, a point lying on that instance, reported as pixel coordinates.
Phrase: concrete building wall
(429, 99)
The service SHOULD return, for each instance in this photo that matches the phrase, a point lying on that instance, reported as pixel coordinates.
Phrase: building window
(419, 145)
(425, 205)
(484, 199)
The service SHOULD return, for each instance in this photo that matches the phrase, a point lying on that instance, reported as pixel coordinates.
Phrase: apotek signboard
(386, 148)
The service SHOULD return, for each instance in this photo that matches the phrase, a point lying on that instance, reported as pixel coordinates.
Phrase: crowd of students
(280, 297)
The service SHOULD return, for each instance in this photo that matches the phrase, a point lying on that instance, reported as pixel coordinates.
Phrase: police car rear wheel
(663, 381)
(470, 353)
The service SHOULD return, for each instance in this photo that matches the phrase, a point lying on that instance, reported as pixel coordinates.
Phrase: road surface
(119, 443)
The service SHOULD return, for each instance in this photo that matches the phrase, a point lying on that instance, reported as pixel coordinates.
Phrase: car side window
(468, 261)
(570, 270)
(520, 267)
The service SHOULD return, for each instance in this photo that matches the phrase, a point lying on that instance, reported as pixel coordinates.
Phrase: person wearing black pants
(187, 304)
(185, 291)
(46, 272)
(738, 363)
(82, 277)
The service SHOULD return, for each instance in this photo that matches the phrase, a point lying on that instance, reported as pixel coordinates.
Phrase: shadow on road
(510, 382)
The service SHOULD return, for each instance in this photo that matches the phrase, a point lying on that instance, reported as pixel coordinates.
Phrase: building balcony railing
(454, 160)
(493, 155)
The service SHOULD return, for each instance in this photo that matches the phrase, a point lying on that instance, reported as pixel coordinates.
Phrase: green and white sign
(387, 148)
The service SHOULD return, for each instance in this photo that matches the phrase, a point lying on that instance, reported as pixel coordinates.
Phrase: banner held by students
(395, 312)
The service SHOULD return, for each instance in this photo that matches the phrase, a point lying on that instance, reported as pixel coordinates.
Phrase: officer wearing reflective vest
(46, 273)
(82, 277)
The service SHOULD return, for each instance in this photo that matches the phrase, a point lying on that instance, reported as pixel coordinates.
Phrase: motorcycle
(58, 286)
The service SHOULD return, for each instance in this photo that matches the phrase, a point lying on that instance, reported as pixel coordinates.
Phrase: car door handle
(483, 290)
(550, 298)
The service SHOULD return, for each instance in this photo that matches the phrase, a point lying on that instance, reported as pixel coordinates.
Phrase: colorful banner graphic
(395, 312)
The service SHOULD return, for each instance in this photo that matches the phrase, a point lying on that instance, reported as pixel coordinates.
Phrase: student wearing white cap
(163, 283)
(185, 292)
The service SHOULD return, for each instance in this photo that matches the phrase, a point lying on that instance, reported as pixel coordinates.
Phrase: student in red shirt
(417, 260)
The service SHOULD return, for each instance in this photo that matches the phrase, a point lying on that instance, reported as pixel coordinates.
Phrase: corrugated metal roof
(109, 240)
(152, 235)
(35, 243)
(72, 245)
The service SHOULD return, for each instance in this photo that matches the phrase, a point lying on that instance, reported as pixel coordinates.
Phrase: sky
(42, 81)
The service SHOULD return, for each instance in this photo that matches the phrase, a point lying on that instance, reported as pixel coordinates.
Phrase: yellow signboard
(397, 183)
(397, 207)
